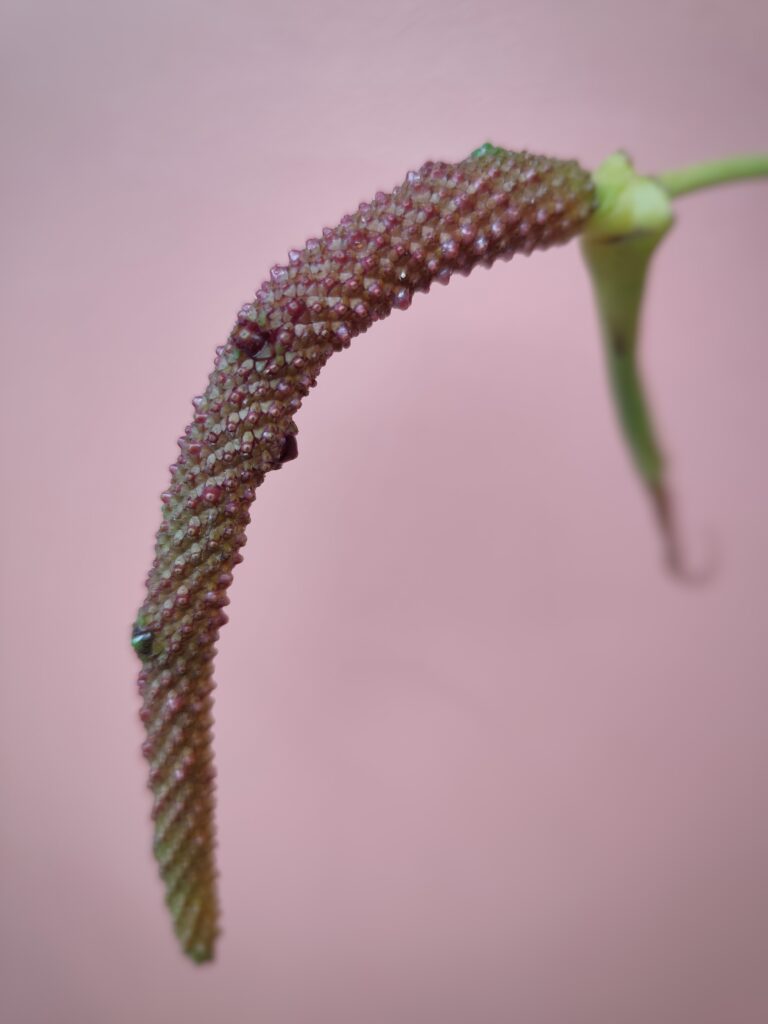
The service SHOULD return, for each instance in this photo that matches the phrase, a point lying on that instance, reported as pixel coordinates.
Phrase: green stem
(713, 172)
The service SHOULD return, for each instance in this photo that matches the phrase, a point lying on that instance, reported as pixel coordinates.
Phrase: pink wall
(479, 759)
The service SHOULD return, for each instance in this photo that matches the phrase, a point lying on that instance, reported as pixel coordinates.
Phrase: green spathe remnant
(628, 204)
(634, 213)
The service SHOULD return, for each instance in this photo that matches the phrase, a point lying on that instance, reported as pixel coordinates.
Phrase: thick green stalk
(714, 172)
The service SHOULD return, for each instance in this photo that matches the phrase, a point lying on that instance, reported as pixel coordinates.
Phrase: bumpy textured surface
(445, 218)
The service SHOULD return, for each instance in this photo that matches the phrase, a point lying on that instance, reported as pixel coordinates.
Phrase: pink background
(479, 758)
